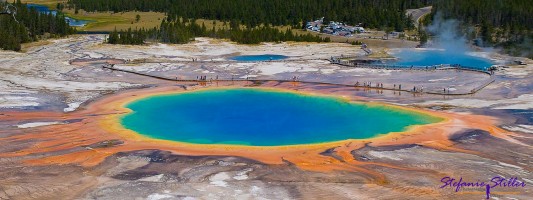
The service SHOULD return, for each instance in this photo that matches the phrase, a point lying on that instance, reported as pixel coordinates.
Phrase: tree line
(133, 37)
(183, 31)
(29, 25)
(497, 13)
(252, 13)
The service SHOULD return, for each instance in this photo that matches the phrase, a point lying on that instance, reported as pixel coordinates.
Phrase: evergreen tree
(131, 37)
(30, 26)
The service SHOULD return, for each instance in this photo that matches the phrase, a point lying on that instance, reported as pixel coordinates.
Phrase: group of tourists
(418, 89)
(369, 84)
(201, 78)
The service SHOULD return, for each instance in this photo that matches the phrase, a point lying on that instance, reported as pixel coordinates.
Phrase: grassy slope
(107, 21)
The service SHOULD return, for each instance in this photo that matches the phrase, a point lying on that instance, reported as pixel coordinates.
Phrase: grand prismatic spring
(261, 117)
(226, 99)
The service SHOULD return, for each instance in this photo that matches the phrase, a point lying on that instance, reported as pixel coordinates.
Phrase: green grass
(108, 21)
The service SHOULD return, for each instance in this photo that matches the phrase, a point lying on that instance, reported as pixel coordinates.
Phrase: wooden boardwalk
(159, 60)
(473, 91)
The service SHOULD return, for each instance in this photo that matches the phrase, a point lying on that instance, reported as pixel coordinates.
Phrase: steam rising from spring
(447, 35)
(452, 44)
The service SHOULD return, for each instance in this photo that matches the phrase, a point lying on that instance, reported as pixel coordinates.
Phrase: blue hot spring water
(436, 57)
(260, 117)
(263, 57)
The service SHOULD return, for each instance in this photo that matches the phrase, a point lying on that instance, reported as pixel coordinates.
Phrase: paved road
(418, 13)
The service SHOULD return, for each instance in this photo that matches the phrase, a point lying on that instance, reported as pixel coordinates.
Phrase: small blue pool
(76, 22)
(263, 57)
(419, 58)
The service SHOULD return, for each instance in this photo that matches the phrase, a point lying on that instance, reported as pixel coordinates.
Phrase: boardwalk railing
(472, 91)
(476, 89)
(163, 60)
